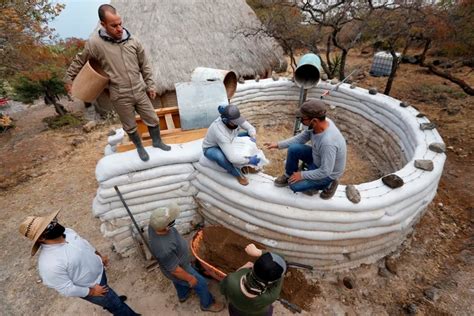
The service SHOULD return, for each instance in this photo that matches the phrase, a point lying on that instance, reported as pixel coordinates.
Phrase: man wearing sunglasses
(171, 251)
(325, 158)
(70, 265)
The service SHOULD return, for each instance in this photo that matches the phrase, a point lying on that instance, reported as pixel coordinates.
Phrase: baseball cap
(269, 267)
(232, 113)
(313, 108)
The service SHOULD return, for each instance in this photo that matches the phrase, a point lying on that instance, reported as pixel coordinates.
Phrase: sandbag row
(145, 186)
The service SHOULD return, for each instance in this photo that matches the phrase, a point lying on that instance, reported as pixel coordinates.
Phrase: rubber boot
(135, 137)
(156, 138)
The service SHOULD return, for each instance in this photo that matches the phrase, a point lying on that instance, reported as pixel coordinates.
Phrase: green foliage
(29, 87)
(69, 119)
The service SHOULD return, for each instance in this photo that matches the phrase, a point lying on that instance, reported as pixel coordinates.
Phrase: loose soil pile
(225, 250)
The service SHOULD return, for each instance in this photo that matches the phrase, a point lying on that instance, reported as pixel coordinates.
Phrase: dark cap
(232, 113)
(313, 109)
(269, 267)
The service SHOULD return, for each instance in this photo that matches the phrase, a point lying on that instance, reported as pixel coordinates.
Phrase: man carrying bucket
(171, 251)
(123, 59)
(253, 288)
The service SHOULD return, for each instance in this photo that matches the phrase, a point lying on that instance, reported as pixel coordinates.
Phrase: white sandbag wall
(145, 186)
(333, 234)
(329, 234)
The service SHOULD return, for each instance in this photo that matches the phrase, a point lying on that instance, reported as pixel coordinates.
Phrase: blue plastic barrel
(308, 72)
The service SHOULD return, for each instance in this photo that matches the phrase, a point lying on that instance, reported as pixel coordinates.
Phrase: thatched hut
(181, 35)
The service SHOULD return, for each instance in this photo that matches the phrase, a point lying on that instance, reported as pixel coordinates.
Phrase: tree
(23, 25)
(46, 79)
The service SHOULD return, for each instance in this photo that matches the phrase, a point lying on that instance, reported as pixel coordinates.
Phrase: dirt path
(43, 170)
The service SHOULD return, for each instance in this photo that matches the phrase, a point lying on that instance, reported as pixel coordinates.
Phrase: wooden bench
(170, 126)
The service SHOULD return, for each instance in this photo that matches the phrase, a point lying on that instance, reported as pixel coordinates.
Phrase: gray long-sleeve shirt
(329, 152)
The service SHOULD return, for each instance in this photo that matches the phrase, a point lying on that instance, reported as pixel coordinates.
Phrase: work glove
(254, 160)
(253, 139)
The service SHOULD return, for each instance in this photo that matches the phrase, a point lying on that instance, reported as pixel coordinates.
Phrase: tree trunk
(425, 50)
(461, 83)
(393, 71)
(343, 64)
(330, 71)
(52, 99)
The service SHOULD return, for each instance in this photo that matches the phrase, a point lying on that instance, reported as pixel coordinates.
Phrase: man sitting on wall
(217, 144)
(325, 158)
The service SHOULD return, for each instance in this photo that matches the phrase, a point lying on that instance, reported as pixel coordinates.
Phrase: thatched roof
(180, 35)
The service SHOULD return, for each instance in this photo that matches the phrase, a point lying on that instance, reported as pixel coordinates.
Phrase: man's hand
(151, 94)
(248, 265)
(68, 87)
(192, 281)
(105, 260)
(272, 145)
(295, 177)
(98, 290)
(253, 251)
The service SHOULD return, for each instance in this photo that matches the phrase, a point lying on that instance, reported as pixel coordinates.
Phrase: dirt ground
(431, 274)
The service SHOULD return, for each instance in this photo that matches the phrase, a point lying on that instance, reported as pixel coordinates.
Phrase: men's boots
(135, 137)
(156, 138)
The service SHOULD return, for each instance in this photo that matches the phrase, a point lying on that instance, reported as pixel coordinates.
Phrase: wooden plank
(161, 113)
(169, 121)
(169, 138)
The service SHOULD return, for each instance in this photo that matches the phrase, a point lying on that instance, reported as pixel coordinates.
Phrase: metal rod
(292, 307)
(302, 98)
(134, 222)
(299, 265)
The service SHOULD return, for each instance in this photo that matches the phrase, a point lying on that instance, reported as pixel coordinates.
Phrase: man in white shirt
(217, 145)
(70, 265)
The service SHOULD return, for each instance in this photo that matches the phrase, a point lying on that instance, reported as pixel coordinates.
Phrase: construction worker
(217, 144)
(123, 59)
(70, 265)
(252, 289)
(325, 158)
(171, 251)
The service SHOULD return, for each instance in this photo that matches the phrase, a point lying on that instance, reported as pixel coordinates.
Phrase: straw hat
(33, 226)
(162, 216)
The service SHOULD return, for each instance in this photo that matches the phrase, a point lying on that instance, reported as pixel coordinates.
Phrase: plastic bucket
(308, 71)
(228, 77)
(210, 270)
(89, 82)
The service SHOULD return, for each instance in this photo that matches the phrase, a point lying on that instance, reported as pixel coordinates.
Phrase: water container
(228, 77)
(382, 64)
(308, 72)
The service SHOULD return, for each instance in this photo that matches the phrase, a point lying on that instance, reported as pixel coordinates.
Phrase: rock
(373, 91)
(404, 105)
(89, 126)
(432, 294)
(393, 181)
(324, 77)
(352, 194)
(353, 86)
(332, 107)
(275, 77)
(391, 265)
(424, 164)
(241, 80)
(383, 272)
(453, 111)
(437, 147)
(257, 78)
(334, 81)
(427, 126)
(348, 283)
(411, 309)
(420, 115)
(77, 141)
(112, 132)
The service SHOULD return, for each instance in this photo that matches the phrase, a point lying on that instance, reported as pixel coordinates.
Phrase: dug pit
(224, 250)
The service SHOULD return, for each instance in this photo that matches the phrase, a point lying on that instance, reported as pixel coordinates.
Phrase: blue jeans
(110, 301)
(183, 288)
(216, 154)
(297, 152)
